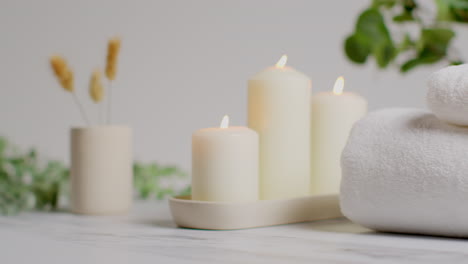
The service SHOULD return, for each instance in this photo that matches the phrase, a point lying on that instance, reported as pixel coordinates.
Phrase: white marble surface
(147, 235)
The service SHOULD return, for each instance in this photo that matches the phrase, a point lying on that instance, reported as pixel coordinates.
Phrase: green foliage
(154, 181)
(26, 183)
(357, 48)
(432, 47)
(371, 36)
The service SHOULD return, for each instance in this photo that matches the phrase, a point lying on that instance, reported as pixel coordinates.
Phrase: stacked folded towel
(447, 96)
(406, 170)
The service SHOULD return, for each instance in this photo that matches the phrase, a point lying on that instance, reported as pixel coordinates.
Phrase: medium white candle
(279, 110)
(333, 115)
(225, 164)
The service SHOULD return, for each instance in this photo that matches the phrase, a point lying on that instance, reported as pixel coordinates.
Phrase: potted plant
(101, 155)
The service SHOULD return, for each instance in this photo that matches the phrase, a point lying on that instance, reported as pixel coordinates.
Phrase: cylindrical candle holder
(101, 170)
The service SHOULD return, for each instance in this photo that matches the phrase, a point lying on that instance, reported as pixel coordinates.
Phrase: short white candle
(279, 110)
(225, 164)
(333, 115)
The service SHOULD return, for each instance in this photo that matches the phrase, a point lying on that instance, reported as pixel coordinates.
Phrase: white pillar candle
(279, 110)
(225, 164)
(333, 115)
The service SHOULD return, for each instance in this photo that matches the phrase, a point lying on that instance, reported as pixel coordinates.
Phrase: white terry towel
(406, 171)
(447, 95)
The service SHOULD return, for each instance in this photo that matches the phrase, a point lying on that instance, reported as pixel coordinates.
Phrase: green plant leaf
(384, 53)
(424, 58)
(410, 64)
(403, 17)
(443, 10)
(357, 49)
(406, 44)
(436, 40)
(458, 10)
(373, 37)
(371, 26)
(432, 47)
(409, 5)
(383, 3)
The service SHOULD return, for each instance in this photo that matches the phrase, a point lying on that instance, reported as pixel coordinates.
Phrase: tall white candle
(333, 115)
(225, 164)
(279, 110)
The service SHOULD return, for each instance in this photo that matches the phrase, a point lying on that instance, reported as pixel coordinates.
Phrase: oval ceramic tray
(224, 216)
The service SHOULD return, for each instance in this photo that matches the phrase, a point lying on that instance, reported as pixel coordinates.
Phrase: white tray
(225, 216)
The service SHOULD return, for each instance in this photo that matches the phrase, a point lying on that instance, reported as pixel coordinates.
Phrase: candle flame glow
(282, 62)
(339, 85)
(225, 122)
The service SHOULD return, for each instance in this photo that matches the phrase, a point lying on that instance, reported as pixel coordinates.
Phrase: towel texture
(447, 95)
(404, 170)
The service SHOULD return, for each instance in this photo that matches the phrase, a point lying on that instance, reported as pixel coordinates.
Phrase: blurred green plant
(26, 183)
(154, 181)
(372, 37)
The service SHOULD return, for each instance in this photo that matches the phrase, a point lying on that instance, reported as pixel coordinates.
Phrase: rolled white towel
(447, 95)
(406, 171)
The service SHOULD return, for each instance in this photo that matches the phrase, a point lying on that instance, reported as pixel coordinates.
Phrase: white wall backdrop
(184, 64)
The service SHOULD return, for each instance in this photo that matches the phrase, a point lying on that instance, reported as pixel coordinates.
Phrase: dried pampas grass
(66, 80)
(96, 90)
(62, 72)
(113, 48)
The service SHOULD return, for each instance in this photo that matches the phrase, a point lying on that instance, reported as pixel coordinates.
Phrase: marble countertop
(148, 235)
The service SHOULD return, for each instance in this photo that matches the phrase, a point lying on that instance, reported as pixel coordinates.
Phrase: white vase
(101, 170)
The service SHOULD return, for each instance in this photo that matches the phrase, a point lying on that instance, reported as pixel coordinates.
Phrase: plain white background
(183, 65)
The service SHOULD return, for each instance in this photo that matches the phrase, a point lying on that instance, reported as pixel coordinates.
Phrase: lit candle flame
(282, 62)
(225, 122)
(339, 85)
